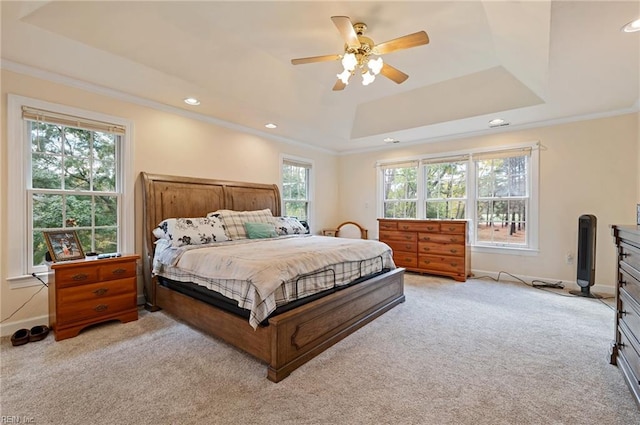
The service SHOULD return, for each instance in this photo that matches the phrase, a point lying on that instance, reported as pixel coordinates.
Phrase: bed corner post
(148, 224)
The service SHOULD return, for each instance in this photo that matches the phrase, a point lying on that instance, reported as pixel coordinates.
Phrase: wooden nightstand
(329, 232)
(85, 292)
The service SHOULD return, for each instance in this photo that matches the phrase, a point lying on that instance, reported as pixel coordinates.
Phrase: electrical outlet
(569, 258)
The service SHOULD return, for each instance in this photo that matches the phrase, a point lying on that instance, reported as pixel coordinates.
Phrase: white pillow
(289, 226)
(191, 231)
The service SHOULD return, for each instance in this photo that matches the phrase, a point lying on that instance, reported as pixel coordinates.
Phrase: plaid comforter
(259, 273)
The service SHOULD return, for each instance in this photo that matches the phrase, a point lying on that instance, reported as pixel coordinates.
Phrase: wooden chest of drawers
(82, 293)
(625, 351)
(438, 247)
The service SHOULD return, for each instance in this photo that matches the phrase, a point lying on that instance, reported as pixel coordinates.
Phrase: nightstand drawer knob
(100, 292)
(79, 276)
(119, 271)
(101, 307)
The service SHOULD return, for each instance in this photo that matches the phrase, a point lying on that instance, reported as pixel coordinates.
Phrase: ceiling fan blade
(339, 85)
(411, 40)
(313, 59)
(345, 27)
(393, 74)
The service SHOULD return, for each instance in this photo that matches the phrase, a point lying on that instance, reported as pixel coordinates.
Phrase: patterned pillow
(234, 220)
(191, 231)
(289, 226)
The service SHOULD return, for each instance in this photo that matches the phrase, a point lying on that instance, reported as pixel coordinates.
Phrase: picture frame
(63, 245)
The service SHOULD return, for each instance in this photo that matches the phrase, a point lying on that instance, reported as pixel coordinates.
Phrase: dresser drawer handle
(453, 250)
(119, 271)
(407, 237)
(623, 282)
(101, 307)
(426, 248)
(426, 261)
(404, 227)
(624, 255)
(79, 276)
(451, 229)
(100, 292)
(430, 227)
(453, 264)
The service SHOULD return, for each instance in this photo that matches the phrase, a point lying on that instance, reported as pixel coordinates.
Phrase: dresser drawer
(419, 226)
(401, 246)
(454, 227)
(630, 284)
(387, 225)
(628, 350)
(442, 263)
(629, 314)
(389, 235)
(94, 291)
(95, 308)
(630, 256)
(405, 259)
(440, 248)
(442, 238)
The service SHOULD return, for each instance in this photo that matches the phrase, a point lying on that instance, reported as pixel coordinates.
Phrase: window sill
(503, 250)
(26, 281)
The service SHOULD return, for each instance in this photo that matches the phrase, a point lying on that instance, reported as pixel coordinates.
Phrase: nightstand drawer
(76, 276)
(97, 290)
(116, 270)
(91, 309)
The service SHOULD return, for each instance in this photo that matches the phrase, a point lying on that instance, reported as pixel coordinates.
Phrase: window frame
(532, 246)
(309, 165)
(19, 268)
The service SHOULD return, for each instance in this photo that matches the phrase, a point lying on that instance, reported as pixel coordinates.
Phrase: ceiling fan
(358, 50)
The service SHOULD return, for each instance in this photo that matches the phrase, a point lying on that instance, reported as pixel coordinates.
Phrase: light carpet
(479, 352)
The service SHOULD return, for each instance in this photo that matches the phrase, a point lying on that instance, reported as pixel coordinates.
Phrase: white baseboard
(8, 329)
(568, 285)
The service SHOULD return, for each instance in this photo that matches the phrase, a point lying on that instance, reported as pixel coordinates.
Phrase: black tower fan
(587, 225)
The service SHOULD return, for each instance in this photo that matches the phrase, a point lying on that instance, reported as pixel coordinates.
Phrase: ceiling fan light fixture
(632, 26)
(349, 61)
(367, 78)
(375, 65)
(344, 76)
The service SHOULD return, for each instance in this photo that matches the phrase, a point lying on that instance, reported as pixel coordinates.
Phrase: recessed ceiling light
(192, 101)
(390, 140)
(271, 125)
(497, 122)
(632, 26)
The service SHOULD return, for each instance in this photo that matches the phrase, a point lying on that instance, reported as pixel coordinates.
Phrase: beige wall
(586, 167)
(164, 143)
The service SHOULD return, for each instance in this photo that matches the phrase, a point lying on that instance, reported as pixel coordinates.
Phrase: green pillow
(260, 230)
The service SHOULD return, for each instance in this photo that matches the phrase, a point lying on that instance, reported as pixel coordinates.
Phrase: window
(446, 188)
(69, 173)
(296, 188)
(495, 190)
(400, 190)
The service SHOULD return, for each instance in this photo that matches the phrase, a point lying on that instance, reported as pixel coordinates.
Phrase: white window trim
(312, 185)
(534, 195)
(18, 175)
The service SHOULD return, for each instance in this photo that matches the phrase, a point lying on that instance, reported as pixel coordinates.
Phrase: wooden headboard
(173, 197)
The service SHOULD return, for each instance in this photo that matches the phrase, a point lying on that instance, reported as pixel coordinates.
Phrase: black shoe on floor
(20, 337)
(38, 333)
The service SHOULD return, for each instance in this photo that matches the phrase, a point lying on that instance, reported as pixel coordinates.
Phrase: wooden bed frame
(291, 338)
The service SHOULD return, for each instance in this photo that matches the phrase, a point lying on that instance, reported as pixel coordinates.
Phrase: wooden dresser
(85, 292)
(625, 351)
(438, 247)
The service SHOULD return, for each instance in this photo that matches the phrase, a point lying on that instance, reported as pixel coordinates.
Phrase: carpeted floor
(478, 352)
